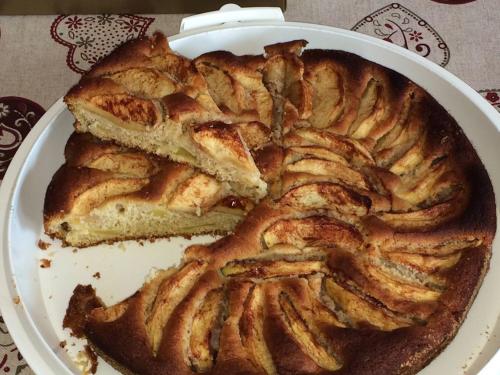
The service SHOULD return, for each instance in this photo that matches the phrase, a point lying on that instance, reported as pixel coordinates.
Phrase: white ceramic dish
(35, 321)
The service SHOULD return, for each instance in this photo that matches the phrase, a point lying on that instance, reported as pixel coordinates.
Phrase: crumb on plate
(42, 245)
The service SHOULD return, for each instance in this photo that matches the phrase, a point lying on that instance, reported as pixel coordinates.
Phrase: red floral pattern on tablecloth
(11, 361)
(396, 24)
(17, 117)
(89, 38)
(492, 96)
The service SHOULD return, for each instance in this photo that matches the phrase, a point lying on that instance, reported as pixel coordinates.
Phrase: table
(42, 56)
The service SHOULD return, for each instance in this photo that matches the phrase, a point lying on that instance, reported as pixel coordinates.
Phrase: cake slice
(145, 96)
(106, 192)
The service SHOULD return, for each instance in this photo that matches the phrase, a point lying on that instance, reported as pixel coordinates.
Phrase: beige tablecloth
(41, 57)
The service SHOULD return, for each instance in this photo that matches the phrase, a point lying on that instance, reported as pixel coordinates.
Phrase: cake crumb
(42, 245)
(92, 357)
(16, 300)
(45, 263)
(97, 275)
(80, 304)
(86, 361)
(75, 250)
(62, 344)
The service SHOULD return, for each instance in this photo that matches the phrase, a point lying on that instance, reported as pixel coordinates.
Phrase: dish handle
(231, 13)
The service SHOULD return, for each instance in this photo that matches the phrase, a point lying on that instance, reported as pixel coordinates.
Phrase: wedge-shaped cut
(318, 231)
(361, 312)
(264, 268)
(174, 137)
(327, 196)
(106, 193)
(115, 109)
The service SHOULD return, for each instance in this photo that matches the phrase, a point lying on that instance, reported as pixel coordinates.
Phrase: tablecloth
(42, 56)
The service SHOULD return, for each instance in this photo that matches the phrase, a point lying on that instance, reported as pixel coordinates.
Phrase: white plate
(35, 322)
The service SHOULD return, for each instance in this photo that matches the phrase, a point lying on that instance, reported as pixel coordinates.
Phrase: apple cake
(363, 257)
(145, 96)
(105, 192)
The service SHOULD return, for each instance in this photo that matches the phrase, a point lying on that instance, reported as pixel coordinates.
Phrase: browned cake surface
(145, 96)
(106, 193)
(364, 257)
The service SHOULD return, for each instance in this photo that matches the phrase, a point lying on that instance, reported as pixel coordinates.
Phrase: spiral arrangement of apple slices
(365, 255)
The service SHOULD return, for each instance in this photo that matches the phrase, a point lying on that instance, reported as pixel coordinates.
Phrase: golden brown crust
(66, 185)
(98, 174)
(366, 254)
(135, 53)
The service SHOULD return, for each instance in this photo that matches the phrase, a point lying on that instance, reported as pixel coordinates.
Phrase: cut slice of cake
(145, 96)
(106, 192)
